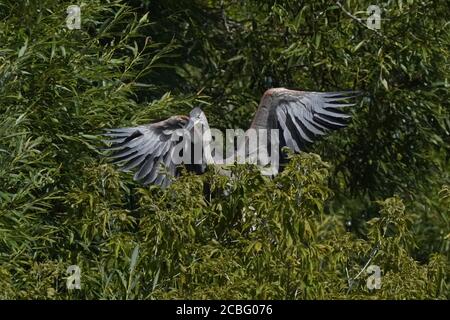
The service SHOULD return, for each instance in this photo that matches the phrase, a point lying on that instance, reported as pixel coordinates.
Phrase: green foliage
(381, 197)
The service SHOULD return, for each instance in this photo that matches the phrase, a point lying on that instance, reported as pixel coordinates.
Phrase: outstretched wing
(149, 149)
(302, 116)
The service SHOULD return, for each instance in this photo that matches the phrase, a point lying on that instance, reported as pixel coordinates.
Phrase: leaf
(235, 58)
(144, 18)
(358, 45)
(122, 279)
(155, 280)
(23, 49)
(134, 257)
(385, 84)
(317, 40)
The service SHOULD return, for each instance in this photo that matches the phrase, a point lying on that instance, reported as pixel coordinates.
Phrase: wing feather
(146, 148)
(303, 116)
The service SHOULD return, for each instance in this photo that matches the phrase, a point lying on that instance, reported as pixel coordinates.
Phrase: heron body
(298, 117)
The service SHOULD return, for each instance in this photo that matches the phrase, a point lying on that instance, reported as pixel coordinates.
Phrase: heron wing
(148, 149)
(305, 116)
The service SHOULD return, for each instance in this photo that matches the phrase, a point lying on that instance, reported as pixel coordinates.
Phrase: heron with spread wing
(301, 117)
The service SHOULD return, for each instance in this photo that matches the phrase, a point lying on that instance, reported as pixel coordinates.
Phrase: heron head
(196, 114)
(195, 122)
(196, 117)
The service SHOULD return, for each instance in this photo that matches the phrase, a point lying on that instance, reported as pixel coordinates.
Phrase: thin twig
(358, 19)
(372, 255)
(351, 281)
(224, 16)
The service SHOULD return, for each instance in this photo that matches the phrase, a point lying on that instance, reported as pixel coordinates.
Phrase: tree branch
(358, 19)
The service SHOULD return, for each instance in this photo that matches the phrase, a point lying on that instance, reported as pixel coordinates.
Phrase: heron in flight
(299, 116)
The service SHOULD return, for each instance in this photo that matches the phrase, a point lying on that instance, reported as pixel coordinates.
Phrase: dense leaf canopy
(378, 195)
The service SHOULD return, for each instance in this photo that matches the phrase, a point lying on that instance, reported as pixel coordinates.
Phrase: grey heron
(300, 116)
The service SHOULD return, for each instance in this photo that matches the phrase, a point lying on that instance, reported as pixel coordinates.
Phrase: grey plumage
(301, 116)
